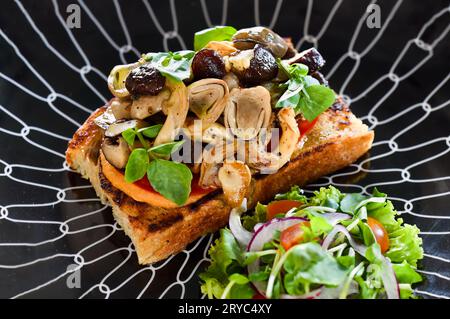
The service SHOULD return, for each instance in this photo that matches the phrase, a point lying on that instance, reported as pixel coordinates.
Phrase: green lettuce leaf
(295, 193)
(329, 197)
(404, 240)
(226, 258)
(406, 274)
(309, 264)
(259, 216)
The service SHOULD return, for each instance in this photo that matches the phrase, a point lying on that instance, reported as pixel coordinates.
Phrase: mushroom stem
(235, 178)
(176, 109)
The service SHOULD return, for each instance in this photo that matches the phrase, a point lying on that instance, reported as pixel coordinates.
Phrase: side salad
(330, 245)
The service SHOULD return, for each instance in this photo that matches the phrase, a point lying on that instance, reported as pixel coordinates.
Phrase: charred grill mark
(165, 223)
(339, 105)
(194, 206)
(316, 149)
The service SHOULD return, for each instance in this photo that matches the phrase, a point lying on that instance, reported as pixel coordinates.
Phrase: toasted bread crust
(337, 140)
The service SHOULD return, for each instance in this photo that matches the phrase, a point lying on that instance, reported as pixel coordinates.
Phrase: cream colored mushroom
(235, 178)
(213, 156)
(214, 133)
(207, 99)
(232, 80)
(148, 105)
(176, 109)
(117, 77)
(272, 161)
(248, 111)
(121, 108)
(116, 151)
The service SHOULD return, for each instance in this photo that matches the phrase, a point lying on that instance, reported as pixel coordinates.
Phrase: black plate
(396, 77)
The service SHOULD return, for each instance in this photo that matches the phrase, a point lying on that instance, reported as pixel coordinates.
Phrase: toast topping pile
(239, 105)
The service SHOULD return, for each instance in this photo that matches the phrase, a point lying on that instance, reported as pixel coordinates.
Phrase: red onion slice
(387, 273)
(325, 292)
(359, 248)
(388, 277)
(335, 218)
(265, 232)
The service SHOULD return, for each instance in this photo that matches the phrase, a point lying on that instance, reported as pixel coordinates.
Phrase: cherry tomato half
(380, 233)
(293, 235)
(304, 126)
(281, 207)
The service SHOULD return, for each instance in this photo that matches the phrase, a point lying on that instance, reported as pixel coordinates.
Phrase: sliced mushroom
(105, 119)
(247, 38)
(121, 108)
(213, 156)
(117, 78)
(207, 99)
(118, 127)
(116, 151)
(268, 162)
(248, 112)
(214, 133)
(176, 109)
(148, 105)
(235, 178)
(231, 80)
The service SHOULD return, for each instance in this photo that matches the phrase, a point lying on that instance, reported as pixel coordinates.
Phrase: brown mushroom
(116, 151)
(248, 112)
(117, 78)
(247, 38)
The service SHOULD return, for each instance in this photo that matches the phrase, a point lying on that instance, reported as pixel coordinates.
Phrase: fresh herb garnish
(130, 134)
(165, 149)
(219, 33)
(303, 92)
(176, 65)
(170, 179)
(137, 165)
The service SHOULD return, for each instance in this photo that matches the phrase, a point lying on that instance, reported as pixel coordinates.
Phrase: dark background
(35, 223)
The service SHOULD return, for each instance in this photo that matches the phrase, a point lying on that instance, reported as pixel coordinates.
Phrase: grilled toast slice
(337, 140)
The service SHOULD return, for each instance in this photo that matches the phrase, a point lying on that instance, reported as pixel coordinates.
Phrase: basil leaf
(220, 33)
(318, 98)
(175, 65)
(151, 131)
(291, 97)
(129, 135)
(170, 179)
(137, 165)
(167, 148)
